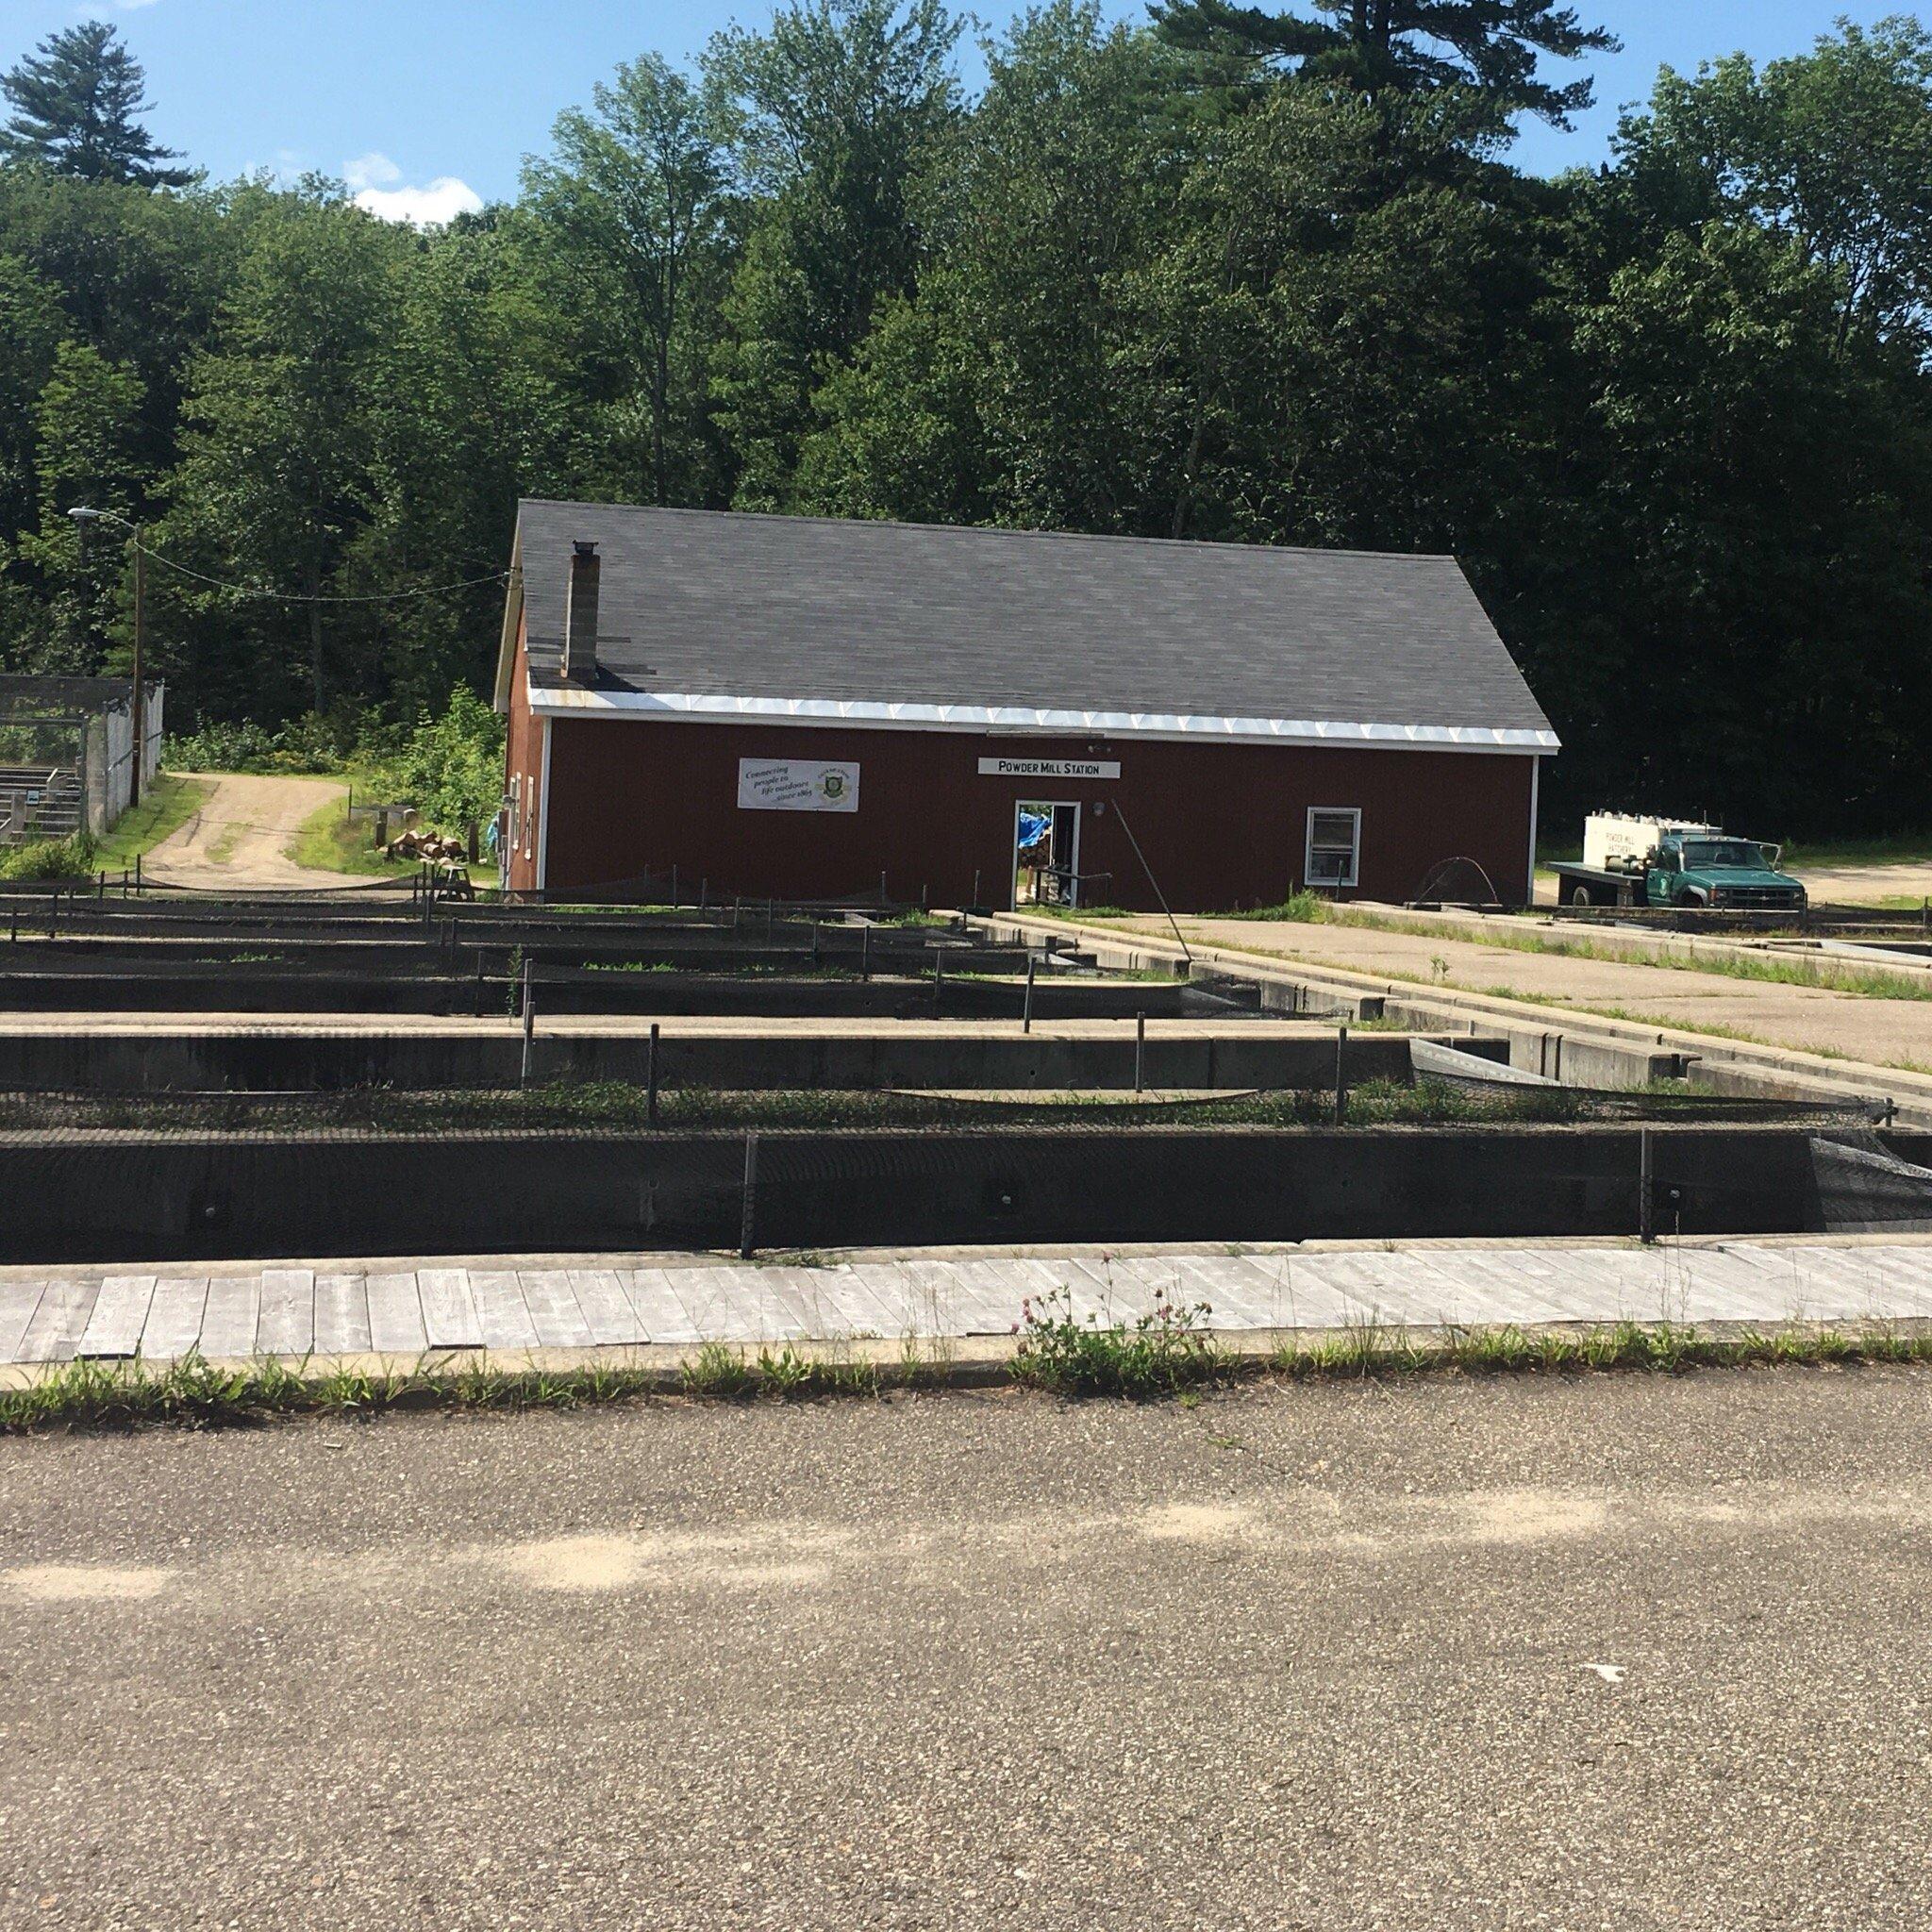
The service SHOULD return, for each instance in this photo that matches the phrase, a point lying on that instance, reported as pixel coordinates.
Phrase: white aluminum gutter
(569, 701)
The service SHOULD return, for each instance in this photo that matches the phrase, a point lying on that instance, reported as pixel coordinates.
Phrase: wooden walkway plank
(18, 1302)
(449, 1309)
(502, 1317)
(717, 1310)
(607, 1310)
(1268, 1290)
(175, 1317)
(229, 1317)
(341, 1315)
(58, 1322)
(120, 1313)
(903, 1307)
(395, 1315)
(850, 1305)
(552, 1306)
(287, 1323)
(664, 1317)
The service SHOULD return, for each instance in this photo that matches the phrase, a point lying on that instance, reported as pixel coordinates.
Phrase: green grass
(615, 1106)
(1893, 848)
(1138, 1360)
(170, 801)
(329, 839)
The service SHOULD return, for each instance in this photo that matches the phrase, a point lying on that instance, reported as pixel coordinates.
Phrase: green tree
(837, 110)
(77, 100)
(1493, 47)
(85, 422)
(275, 475)
(1831, 150)
(637, 189)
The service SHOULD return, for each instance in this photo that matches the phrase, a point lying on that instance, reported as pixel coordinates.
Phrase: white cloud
(373, 170)
(369, 176)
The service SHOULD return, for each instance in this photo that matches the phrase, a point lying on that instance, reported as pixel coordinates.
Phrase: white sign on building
(1049, 768)
(796, 785)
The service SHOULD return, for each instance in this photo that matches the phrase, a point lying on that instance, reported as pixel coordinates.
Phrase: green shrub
(50, 858)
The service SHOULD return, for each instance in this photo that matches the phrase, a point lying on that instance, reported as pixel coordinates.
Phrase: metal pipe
(1646, 1188)
(1027, 1008)
(1139, 1051)
(651, 1078)
(751, 1191)
(1340, 1076)
(529, 1022)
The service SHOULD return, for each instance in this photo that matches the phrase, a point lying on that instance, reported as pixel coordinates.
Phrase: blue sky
(428, 103)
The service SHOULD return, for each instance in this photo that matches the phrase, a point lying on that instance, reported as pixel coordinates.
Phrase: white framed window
(1335, 846)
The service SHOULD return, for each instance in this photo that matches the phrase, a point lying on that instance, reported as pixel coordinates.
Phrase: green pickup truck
(1698, 867)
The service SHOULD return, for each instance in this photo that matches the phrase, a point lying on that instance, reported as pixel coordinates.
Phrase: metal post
(529, 1022)
(1026, 1007)
(882, 888)
(479, 982)
(651, 1078)
(751, 1190)
(975, 886)
(674, 885)
(814, 942)
(137, 872)
(1139, 1051)
(865, 951)
(737, 906)
(1340, 1076)
(704, 895)
(1646, 1188)
(939, 980)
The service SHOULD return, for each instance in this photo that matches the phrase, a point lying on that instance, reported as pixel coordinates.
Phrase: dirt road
(1538, 1653)
(239, 841)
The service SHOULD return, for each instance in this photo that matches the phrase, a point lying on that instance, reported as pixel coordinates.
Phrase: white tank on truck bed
(1616, 841)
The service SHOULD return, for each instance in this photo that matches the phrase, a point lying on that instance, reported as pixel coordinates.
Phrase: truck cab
(1712, 869)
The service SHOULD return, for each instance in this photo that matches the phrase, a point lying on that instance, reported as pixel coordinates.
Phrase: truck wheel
(1581, 895)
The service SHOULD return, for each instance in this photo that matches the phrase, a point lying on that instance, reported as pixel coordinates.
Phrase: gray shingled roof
(805, 607)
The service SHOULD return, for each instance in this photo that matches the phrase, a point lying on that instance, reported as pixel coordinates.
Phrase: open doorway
(1046, 852)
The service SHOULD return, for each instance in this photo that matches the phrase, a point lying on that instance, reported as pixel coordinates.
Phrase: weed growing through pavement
(1156, 1354)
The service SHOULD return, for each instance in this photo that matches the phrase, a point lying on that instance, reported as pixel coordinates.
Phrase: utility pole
(138, 710)
(140, 638)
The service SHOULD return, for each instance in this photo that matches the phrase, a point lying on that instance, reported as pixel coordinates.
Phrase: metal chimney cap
(584, 549)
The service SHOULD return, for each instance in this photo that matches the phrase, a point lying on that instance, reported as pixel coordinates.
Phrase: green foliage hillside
(1241, 275)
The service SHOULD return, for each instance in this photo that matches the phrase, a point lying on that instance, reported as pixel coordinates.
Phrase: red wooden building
(802, 708)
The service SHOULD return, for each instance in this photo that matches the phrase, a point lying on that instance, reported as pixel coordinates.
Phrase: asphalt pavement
(1621, 1652)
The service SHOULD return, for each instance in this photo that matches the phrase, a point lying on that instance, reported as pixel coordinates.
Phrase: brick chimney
(580, 616)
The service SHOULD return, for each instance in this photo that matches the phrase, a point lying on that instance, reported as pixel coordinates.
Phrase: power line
(495, 576)
(104, 516)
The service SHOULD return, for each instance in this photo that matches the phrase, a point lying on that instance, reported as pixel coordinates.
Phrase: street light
(81, 515)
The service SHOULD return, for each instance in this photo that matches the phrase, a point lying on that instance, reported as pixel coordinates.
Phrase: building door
(1046, 852)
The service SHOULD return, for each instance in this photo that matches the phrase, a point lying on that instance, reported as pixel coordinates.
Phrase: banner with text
(796, 785)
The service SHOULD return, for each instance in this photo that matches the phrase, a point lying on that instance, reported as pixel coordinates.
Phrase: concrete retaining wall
(232, 989)
(293, 1060)
(139, 1198)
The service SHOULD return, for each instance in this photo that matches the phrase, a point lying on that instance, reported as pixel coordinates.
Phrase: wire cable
(238, 589)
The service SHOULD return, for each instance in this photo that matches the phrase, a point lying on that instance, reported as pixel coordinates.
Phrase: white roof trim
(568, 700)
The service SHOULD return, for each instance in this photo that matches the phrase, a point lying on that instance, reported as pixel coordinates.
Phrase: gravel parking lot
(1619, 1652)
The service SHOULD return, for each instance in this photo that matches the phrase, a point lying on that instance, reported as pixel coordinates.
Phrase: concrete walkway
(1884, 1032)
(511, 1305)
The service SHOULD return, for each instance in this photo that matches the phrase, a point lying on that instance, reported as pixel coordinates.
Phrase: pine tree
(1492, 46)
(75, 100)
